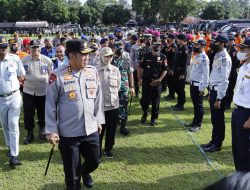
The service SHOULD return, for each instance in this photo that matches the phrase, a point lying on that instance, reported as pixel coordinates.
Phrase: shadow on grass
(191, 181)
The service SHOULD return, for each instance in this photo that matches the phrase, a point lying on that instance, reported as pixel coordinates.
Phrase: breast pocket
(91, 89)
(44, 69)
(11, 72)
(26, 67)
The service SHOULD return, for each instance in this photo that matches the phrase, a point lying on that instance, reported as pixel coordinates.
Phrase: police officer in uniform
(232, 51)
(199, 77)
(38, 68)
(218, 84)
(153, 69)
(179, 71)
(74, 113)
(171, 56)
(241, 114)
(11, 73)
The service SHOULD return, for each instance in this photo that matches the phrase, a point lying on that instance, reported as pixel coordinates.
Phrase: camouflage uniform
(123, 63)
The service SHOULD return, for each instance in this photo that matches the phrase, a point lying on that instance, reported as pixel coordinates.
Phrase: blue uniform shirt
(11, 67)
(50, 53)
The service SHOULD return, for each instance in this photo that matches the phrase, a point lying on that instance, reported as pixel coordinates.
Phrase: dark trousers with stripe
(198, 105)
(241, 139)
(111, 121)
(72, 148)
(217, 119)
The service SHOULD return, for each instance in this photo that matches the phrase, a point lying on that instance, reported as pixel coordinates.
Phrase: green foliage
(115, 14)
(214, 11)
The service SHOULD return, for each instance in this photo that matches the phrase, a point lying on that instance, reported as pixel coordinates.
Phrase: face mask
(156, 49)
(196, 50)
(216, 47)
(13, 49)
(242, 56)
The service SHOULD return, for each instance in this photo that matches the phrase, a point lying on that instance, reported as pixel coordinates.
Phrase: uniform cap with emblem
(201, 42)
(34, 43)
(103, 40)
(171, 36)
(106, 51)
(222, 38)
(77, 46)
(12, 41)
(182, 37)
(245, 44)
(111, 36)
(3, 42)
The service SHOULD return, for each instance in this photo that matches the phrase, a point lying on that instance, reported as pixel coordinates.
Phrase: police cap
(201, 42)
(222, 38)
(77, 46)
(182, 37)
(34, 43)
(3, 42)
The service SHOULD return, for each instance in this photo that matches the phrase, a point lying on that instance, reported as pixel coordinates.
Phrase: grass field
(162, 157)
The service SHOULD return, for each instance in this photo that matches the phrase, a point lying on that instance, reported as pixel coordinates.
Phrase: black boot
(123, 128)
(29, 138)
(144, 117)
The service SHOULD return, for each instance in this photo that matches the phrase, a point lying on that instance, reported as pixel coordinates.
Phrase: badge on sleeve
(52, 78)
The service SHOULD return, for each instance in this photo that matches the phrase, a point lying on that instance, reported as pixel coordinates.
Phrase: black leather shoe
(144, 118)
(153, 122)
(167, 98)
(206, 145)
(194, 128)
(29, 138)
(178, 108)
(212, 148)
(124, 131)
(42, 135)
(14, 161)
(87, 180)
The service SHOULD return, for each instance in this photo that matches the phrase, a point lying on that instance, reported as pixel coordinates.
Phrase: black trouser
(136, 82)
(198, 105)
(179, 86)
(111, 121)
(170, 84)
(217, 119)
(30, 104)
(152, 94)
(72, 148)
(230, 89)
(240, 139)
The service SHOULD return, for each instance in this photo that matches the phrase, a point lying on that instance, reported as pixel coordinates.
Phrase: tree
(74, 7)
(139, 6)
(55, 11)
(213, 11)
(115, 14)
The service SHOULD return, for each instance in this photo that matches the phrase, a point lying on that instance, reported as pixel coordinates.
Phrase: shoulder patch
(52, 78)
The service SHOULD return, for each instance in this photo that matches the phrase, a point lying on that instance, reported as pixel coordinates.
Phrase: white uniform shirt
(200, 71)
(10, 68)
(242, 90)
